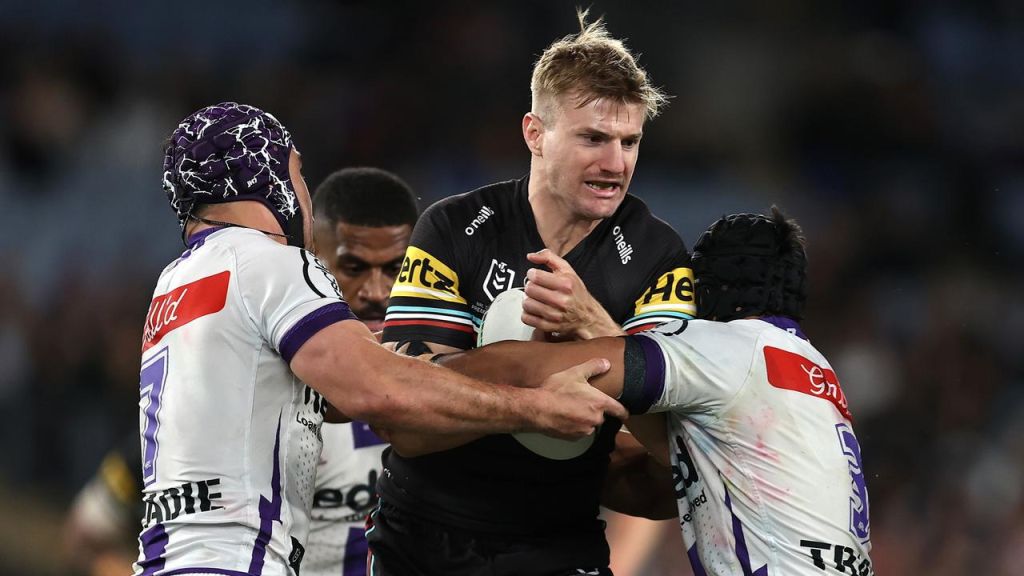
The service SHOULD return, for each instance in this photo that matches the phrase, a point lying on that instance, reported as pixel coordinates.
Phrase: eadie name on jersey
(188, 498)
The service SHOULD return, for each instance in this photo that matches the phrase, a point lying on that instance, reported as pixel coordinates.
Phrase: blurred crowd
(894, 132)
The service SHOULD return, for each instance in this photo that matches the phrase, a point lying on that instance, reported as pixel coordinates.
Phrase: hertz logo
(424, 276)
(420, 271)
(672, 291)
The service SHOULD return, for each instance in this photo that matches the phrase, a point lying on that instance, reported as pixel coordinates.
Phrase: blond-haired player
(593, 260)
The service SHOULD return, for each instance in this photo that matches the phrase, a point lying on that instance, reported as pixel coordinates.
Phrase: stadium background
(894, 131)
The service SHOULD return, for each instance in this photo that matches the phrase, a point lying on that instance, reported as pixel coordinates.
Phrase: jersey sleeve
(289, 294)
(669, 297)
(426, 303)
(687, 366)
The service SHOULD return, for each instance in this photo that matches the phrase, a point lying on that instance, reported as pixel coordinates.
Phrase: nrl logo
(499, 279)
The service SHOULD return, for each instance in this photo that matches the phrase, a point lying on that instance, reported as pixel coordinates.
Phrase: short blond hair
(592, 65)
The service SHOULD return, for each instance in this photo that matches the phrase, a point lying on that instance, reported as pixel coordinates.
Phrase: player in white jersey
(238, 326)
(750, 417)
(363, 221)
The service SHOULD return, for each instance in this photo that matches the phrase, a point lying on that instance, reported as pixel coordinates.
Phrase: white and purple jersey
(346, 490)
(230, 436)
(766, 466)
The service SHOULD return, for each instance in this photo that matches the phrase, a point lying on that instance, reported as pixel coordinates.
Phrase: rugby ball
(503, 321)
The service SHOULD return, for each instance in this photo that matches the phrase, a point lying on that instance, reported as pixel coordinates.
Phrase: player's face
(302, 196)
(589, 154)
(365, 260)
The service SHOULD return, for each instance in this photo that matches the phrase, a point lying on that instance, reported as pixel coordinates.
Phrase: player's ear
(533, 133)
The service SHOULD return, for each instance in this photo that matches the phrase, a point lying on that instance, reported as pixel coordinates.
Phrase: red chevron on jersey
(183, 305)
(794, 372)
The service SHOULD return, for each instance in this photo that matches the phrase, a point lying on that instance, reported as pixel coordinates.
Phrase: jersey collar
(196, 240)
(787, 324)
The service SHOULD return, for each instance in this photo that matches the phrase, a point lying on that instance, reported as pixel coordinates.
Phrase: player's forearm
(601, 325)
(651, 430)
(369, 383)
(596, 322)
(506, 362)
(366, 382)
(527, 364)
(442, 401)
(409, 395)
(636, 484)
(644, 492)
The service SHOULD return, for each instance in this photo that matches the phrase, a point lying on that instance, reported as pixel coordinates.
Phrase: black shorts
(405, 545)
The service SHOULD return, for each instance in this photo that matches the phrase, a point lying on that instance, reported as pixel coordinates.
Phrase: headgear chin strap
(230, 152)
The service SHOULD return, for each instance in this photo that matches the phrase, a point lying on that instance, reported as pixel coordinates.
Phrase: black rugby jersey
(464, 251)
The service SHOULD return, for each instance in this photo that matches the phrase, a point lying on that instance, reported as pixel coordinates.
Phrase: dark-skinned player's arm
(522, 364)
(640, 477)
(526, 364)
(410, 443)
(639, 480)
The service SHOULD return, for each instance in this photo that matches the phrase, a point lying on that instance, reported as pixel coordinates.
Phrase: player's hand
(570, 407)
(558, 302)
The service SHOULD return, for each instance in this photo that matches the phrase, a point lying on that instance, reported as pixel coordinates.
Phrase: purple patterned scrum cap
(229, 152)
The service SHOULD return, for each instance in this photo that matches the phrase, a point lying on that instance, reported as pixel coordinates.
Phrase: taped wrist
(641, 385)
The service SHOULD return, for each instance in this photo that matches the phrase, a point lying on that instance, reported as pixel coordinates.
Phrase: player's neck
(244, 213)
(559, 228)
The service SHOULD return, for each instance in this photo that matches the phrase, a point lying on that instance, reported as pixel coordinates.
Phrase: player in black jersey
(100, 530)
(594, 262)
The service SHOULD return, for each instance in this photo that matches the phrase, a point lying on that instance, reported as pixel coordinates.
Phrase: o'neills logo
(624, 248)
(481, 217)
(183, 305)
